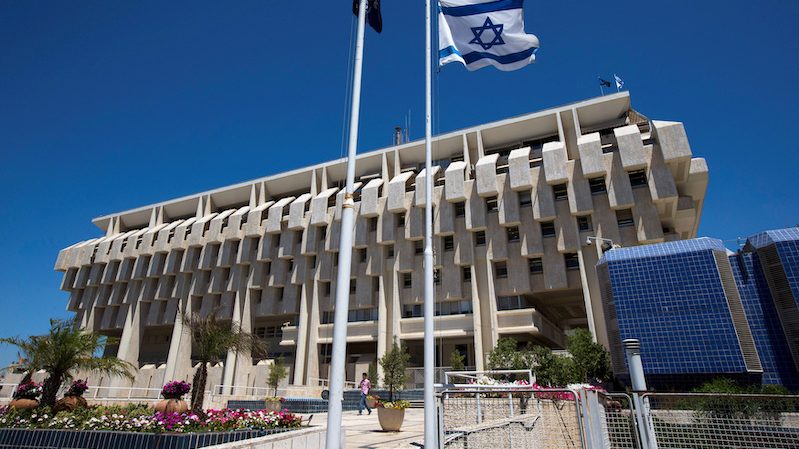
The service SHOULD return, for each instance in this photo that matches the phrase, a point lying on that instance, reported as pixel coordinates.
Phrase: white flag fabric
(619, 82)
(479, 33)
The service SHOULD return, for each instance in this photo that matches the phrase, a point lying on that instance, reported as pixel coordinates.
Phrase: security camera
(588, 241)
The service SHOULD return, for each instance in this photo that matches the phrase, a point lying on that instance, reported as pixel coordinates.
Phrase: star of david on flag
(479, 33)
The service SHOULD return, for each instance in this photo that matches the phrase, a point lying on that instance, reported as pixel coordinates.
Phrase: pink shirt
(365, 386)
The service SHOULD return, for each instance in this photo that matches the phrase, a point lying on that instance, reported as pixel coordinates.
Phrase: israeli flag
(478, 33)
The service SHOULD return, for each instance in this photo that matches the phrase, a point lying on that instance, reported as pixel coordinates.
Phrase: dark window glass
(480, 238)
(513, 233)
(624, 218)
(373, 224)
(401, 219)
(548, 228)
(492, 204)
(501, 270)
(353, 286)
(362, 254)
(418, 246)
(597, 185)
(584, 223)
(561, 192)
(466, 274)
(407, 280)
(449, 243)
(637, 178)
(572, 262)
(536, 265)
(390, 251)
(460, 209)
(525, 199)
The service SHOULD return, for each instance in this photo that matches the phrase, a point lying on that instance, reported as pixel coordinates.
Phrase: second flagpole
(430, 419)
(336, 398)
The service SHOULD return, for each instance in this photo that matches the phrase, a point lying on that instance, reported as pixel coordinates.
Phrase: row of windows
(268, 332)
(353, 316)
(463, 307)
(535, 265)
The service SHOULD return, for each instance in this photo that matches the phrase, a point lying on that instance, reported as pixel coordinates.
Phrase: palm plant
(65, 350)
(211, 341)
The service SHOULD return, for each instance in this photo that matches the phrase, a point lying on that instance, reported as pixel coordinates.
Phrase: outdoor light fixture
(605, 245)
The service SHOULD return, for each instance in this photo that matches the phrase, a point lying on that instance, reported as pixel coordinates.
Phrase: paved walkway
(363, 432)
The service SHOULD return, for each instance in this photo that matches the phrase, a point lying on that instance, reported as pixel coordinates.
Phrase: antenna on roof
(398, 135)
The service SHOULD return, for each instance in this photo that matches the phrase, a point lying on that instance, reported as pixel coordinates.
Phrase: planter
(172, 405)
(273, 406)
(70, 403)
(24, 404)
(391, 418)
(371, 403)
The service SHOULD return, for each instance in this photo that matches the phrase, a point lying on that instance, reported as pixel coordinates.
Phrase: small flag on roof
(619, 82)
(478, 33)
(604, 82)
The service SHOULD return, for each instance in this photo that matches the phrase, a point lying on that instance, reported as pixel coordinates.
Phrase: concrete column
(130, 341)
(484, 279)
(479, 353)
(589, 307)
(179, 345)
(382, 323)
(244, 360)
(302, 336)
(312, 354)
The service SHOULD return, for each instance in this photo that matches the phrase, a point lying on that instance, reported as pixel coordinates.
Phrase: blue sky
(106, 106)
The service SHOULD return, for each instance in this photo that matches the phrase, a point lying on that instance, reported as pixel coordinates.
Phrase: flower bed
(143, 419)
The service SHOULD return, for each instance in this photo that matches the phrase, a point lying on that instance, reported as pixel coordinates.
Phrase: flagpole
(336, 396)
(430, 420)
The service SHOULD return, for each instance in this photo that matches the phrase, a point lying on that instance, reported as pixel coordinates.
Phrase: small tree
(507, 355)
(211, 340)
(394, 363)
(372, 374)
(456, 360)
(591, 360)
(63, 351)
(278, 372)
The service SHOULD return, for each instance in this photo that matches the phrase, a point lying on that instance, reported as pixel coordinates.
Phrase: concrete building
(514, 200)
(702, 311)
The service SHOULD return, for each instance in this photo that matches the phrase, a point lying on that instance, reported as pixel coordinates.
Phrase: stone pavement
(363, 432)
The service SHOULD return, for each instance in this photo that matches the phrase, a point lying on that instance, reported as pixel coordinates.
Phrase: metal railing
(325, 383)
(510, 418)
(722, 421)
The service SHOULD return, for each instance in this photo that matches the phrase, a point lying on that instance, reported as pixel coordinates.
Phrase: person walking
(364, 386)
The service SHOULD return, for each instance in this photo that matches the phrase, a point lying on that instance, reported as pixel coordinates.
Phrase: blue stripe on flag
(481, 8)
(502, 59)
(444, 52)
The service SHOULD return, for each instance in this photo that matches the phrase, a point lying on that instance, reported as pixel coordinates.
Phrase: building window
(624, 218)
(362, 315)
(448, 243)
(513, 233)
(407, 280)
(400, 219)
(373, 224)
(597, 185)
(548, 228)
(480, 238)
(276, 240)
(437, 276)
(536, 265)
(291, 265)
(335, 259)
(501, 270)
(584, 223)
(418, 246)
(376, 284)
(525, 199)
(637, 178)
(268, 267)
(572, 262)
(561, 192)
(313, 261)
(326, 288)
(390, 251)
(460, 209)
(279, 293)
(513, 302)
(492, 204)
(353, 286)
(466, 274)
(362, 254)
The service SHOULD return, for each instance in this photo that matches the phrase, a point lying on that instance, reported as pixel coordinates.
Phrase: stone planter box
(99, 439)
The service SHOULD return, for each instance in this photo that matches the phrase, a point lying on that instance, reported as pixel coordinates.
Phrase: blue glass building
(701, 311)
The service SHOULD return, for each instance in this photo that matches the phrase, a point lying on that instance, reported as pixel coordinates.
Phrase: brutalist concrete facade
(515, 201)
